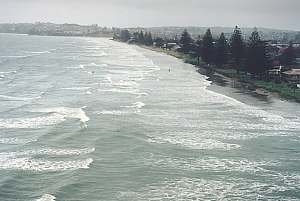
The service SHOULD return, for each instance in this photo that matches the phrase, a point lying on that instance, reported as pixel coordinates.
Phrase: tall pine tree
(159, 42)
(186, 42)
(222, 49)
(198, 49)
(141, 38)
(257, 61)
(136, 36)
(148, 39)
(237, 48)
(145, 38)
(208, 47)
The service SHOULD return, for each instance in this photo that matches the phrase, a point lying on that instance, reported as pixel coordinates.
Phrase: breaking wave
(189, 189)
(16, 141)
(53, 116)
(193, 143)
(113, 112)
(47, 197)
(53, 152)
(25, 160)
(137, 105)
(76, 113)
(39, 165)
(13, 98)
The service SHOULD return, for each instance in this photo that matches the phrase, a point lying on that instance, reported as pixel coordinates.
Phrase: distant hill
(51, 29)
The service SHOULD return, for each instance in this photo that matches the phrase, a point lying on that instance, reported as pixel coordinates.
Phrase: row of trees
(250, 56)
(137, 37)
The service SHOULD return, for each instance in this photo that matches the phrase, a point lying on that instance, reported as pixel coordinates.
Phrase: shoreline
(221, 79)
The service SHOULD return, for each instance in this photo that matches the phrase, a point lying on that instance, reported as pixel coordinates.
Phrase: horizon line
(160, 26)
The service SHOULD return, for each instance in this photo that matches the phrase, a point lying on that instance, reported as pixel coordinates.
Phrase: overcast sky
(284, 14)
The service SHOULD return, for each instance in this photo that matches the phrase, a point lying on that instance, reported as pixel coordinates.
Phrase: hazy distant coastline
(52, 29)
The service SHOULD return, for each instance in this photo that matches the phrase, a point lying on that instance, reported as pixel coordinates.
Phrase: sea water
(93, 119)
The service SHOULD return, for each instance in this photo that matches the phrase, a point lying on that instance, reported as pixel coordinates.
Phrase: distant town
(51, 29)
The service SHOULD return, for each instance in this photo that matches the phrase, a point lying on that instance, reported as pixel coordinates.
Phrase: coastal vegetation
(244, 59)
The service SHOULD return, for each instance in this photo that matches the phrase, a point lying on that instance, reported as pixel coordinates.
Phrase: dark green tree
(136, 36)
(288, 57)
(145, 37)
(148, 39)
(125, 35)
(198, 49)
(257, 60)
(221, 51)
(159, 42)
(237, 49)
(186, 42)
(208, 47)
(115, 36)
(141, 38)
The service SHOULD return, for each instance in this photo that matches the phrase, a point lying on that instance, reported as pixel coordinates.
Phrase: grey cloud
(261, 13)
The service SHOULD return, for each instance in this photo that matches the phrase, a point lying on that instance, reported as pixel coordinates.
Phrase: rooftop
(292, 72)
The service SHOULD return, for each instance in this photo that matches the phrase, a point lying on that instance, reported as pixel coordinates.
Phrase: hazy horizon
(149, 27)
(154, 13)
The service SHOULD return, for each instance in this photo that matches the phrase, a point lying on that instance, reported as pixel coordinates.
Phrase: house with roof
(292, 76)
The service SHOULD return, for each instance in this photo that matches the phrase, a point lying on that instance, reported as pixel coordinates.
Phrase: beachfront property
(275, 72)
(292, 76)
(172, 46)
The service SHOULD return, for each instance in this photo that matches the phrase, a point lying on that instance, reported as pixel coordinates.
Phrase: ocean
(91, 119)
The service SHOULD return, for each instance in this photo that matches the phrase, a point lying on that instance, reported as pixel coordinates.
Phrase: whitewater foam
(102, 54)
(269, 120)
(8, 72)
(193, 143)
(189, 189)
(113, 112)
(14, 98)
(84, 66)
(35, 122)
(96, 65)
(138, 106)
(80, 67)
(36, 52)
(212, 164)
(53, 117)
(16, 141)
(16, 56)
(39, 165)
(76, 113)
(92, 48)
(3, 74)
(129, 91)
(52, 152)
(47, 197)
(76, 88)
